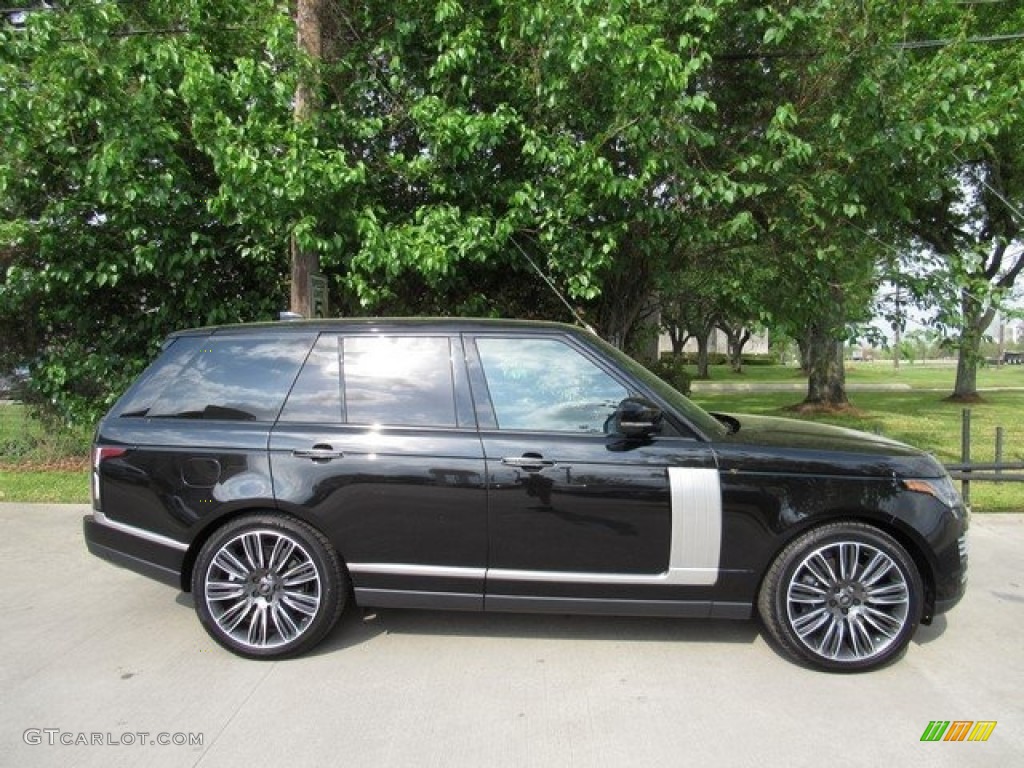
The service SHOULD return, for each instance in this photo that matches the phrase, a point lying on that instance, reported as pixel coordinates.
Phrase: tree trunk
(308, 24)
(678, 337)
(702, 357)
(737, 338)
(966, 387)
(975, 321)
(826, 381)
(803, 345)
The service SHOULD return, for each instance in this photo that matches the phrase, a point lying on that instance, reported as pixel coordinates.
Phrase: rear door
(377, 446)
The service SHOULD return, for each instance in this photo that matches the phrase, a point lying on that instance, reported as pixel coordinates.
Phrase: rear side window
(230, 377)
(316, 396)
(398, 380)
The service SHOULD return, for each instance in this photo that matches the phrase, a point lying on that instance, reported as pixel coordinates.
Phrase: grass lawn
(55, 486)
(920, 416)
(37, 464)
(933, 374)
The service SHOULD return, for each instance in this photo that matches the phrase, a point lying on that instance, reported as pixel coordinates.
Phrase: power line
(915, 44)
(726, 56)
(984, 182)
(907, 45)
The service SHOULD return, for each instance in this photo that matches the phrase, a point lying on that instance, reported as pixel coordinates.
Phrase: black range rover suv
(281, 471)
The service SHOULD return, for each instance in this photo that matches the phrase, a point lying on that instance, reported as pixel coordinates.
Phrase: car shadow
(362, 625)
(932, 632)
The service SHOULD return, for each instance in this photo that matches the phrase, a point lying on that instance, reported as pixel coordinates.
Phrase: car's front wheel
(268, 586)
(843, 597)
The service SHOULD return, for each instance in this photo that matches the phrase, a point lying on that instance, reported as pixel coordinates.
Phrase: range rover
(281, 472)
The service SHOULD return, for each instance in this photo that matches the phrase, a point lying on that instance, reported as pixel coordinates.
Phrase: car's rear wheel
(842, 597)
(268, 586)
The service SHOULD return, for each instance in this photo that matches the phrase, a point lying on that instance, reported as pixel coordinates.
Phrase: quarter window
(165, 370)
(234, 378)
(546, 385)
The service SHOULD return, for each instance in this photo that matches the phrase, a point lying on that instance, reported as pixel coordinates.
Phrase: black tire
(268, 586)
(843, 597)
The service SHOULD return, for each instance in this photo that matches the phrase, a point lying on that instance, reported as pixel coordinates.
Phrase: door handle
(319, 453)
(531, 463)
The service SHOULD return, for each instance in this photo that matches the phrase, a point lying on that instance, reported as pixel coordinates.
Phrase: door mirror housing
(637, 417)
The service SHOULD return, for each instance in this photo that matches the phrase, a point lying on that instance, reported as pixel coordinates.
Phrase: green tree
(964, 179)
(108, 240)
(803, 113)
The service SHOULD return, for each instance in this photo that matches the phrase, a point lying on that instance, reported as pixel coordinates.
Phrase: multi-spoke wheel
(268, 586)
(845, 596)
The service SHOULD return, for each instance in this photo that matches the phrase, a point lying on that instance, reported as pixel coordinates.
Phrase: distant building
(1015, 332)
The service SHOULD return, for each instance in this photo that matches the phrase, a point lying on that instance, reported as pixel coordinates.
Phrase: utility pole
(896, 328)
(309, 28)
(1002, 338)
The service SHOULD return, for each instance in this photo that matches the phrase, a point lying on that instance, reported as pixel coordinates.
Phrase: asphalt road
(92, 653)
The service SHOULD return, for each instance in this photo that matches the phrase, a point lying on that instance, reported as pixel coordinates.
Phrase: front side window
(405, 381)
(547, 385)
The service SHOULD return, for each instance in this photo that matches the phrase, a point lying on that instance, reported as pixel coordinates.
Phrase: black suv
(280, 471)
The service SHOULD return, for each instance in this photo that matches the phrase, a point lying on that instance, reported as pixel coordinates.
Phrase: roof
(445, 324)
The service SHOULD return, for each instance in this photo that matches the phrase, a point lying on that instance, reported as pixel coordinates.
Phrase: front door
(575, 510)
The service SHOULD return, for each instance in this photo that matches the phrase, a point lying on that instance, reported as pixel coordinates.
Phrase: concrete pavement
(93, 654)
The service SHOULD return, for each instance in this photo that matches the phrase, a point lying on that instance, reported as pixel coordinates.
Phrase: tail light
(101, 453)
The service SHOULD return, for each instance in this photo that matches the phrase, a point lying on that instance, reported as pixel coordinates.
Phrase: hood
(770, 443)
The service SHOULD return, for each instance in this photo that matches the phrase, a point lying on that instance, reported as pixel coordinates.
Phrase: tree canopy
(641, 154)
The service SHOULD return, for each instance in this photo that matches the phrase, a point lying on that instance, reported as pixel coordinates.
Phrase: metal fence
(967, 471)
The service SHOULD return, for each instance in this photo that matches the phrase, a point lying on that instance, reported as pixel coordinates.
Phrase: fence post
(999, 450)
(965, 456)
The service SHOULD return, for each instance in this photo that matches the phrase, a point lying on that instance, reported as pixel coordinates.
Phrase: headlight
(941, 488)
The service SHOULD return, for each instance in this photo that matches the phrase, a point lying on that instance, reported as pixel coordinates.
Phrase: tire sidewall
(332, 590)
(816, 539)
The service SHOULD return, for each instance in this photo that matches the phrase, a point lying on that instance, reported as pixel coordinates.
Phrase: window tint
(546, 385)
(398, 380)
(235, 377)
(316, 396)
(164, 370)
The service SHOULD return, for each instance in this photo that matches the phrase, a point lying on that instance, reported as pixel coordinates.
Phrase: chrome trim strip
(140, 533)
(671, 577)
(696, 524)
(432, 571)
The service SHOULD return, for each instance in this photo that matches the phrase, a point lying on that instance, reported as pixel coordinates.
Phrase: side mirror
(636, 417)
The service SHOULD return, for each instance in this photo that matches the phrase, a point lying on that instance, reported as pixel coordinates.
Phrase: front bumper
(952, 590)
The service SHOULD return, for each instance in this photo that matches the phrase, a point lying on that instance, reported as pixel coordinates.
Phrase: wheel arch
(885, 522)
(212, 526)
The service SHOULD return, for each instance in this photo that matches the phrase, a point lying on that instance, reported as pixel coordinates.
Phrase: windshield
(681, 404)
